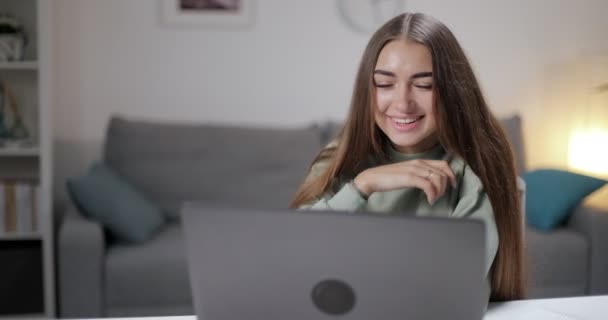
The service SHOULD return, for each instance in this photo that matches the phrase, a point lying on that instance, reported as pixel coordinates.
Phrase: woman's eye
(384, 85)
(424, 86)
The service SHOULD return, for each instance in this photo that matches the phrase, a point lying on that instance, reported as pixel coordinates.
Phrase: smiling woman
(403, 79)
(420, 140)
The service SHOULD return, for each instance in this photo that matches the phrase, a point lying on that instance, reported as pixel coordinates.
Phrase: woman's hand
(431, 176)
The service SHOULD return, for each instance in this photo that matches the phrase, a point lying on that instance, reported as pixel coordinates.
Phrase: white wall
(296, 64)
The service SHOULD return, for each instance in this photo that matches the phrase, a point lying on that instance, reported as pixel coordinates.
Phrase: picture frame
(206, 13)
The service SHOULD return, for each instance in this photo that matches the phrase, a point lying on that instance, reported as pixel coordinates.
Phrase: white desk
(578, 308)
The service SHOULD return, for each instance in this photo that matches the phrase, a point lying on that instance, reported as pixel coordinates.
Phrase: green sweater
(467, 200)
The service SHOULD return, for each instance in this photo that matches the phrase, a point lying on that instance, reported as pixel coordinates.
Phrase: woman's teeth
(406, 120)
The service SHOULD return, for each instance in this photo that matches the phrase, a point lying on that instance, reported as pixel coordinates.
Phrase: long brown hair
(465, 127)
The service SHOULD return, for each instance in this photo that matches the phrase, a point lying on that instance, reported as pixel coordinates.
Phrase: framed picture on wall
(206, 13)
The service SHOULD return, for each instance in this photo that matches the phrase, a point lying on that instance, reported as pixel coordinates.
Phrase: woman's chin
(405, 146)
(412, 144)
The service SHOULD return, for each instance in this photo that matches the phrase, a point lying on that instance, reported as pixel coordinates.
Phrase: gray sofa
(254, 167)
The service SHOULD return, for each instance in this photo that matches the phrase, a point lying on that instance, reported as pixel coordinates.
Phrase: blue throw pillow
(552, 194)
(104, 196)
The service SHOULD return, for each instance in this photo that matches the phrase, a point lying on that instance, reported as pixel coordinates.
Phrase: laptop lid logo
(333, 297)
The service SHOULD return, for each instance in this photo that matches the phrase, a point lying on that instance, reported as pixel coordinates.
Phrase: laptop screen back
(257, 264)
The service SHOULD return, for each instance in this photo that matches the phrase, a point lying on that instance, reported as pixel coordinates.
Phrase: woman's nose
(403, 99)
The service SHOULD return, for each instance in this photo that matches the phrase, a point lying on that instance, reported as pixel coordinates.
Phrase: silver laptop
(283, 264)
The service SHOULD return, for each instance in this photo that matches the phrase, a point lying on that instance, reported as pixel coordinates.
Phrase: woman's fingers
(444, 167)
(441, 180)
(428, 175)
(438, 178)
(425, 185)
(431, 176)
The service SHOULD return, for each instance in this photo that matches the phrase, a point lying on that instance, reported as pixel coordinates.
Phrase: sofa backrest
(216, 164)
(513, 129)
(227, 165)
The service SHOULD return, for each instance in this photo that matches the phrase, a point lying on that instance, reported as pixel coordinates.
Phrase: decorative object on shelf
(365, 16)
(206, 13)
(12, 126)
(13, 38)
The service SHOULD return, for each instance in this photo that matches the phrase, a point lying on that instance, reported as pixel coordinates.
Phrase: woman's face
(404, 92)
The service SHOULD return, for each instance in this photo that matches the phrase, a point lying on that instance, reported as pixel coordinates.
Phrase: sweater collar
(435, 153)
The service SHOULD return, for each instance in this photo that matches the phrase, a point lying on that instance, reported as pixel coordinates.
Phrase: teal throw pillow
(104, 196)
(552, 194)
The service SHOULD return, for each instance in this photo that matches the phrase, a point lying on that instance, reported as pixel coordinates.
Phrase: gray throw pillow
(104, 196)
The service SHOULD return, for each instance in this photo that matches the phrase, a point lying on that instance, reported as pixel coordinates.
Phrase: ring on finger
(428, 176)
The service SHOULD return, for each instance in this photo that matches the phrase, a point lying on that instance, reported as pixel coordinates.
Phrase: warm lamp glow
(588, 151)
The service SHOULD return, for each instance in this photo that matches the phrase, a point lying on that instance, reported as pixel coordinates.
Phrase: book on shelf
(23, 195)
(19, 206)
(10, 210)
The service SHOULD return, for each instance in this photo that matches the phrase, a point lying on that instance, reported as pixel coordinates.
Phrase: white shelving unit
(29, 80)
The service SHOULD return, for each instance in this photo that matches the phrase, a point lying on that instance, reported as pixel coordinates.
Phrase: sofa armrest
(593, 223)
(81, 250)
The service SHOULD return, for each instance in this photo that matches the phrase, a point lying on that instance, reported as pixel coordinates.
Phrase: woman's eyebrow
(414, 76)
(422, 75)
(385, 73)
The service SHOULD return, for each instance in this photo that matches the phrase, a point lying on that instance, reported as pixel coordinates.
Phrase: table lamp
(588, 147)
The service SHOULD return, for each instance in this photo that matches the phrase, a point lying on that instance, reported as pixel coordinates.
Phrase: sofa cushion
(150, 274)
(558, 263)
(120, 208)
(552, 194)
(239, 166)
